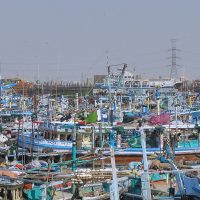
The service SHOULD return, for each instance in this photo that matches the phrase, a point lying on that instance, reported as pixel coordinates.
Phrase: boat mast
(0, 94)
(112, 103)
(110, 100)
(115, 188)
(146, 190)
(148, 101)
(23, 139)
(0, 82)
(158, 100)
(76, 103)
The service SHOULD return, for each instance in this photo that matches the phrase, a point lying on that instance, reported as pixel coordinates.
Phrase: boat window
(62, 136)
(69, 137)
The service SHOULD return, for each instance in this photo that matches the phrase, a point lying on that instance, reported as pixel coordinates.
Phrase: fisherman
(174, 138)
(154, 139)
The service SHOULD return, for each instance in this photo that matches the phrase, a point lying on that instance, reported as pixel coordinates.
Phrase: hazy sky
(72, 40)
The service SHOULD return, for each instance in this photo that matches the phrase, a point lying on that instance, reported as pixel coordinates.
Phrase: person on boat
(174, 138)
(66, 117)
(154, 141)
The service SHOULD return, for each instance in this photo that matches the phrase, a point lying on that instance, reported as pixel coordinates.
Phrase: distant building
(23, 87)
(99, 78)
(11, 80)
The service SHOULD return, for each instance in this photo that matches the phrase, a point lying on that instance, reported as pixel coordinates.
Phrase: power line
(173, 71)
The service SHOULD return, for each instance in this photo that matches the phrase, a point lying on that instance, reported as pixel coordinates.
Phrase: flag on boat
(92, 117)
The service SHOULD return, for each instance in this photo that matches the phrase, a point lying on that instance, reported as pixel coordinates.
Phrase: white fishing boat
(50, 136)
(3, 145)
(39, 143)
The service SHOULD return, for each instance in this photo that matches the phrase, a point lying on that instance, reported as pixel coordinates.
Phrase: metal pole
(74, 149)
(31, 141)
(93, 139)
(110, 99)
(148, 102)
(158, 101)
(17, 148)
(115, 187)
(146, 190)
(101, 144)
(77, 102)
(198, 135)
(93, 146)
(158, 106)
(100, 136)
(176, 118)
(74, 154)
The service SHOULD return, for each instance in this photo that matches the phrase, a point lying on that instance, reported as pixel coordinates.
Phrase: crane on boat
(120, 77)
(112, 101)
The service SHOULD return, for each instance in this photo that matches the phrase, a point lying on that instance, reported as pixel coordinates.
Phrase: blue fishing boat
(54, 136)
(40, 144)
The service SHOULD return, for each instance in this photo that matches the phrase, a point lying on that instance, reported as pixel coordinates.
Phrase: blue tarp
(9, 86)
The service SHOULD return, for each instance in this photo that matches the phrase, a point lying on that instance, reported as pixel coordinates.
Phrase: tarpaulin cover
(159, 119)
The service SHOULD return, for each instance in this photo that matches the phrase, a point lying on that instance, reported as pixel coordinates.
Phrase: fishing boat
(50, 136)
(185, 141)
(126, 140)
(3, 146)
(132, 82)
(10, 188)
(40, 143)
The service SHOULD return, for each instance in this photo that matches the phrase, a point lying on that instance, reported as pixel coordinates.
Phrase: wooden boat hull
(123, 157)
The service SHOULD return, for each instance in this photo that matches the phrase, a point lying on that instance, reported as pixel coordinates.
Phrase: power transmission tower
(173, 71)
